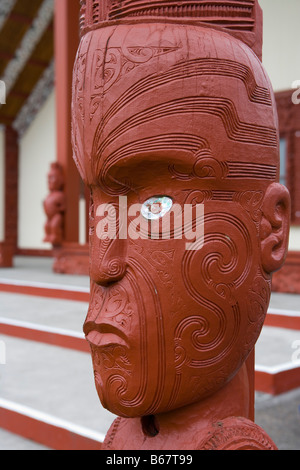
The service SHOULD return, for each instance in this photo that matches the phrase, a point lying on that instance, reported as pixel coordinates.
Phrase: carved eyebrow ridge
(192, 68)
(162, 142)
(188, 69)
(225, 109)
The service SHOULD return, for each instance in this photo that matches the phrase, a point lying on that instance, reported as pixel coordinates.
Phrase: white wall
(2, 169)
(281, 56)
(82, 222)
(281, 41)
(294, 244)
(37, 151)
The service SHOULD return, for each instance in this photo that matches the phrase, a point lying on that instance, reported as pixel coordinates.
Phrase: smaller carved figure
(54, 206)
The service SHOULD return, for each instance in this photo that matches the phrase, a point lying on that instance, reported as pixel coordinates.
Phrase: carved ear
(274, 228)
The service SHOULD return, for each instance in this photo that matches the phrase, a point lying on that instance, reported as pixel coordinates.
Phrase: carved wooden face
(55, 178)
(186, 114)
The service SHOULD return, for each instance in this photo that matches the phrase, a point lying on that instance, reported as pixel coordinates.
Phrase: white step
(52, 385)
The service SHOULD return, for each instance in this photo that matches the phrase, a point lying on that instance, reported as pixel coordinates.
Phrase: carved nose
(108, 272)
(108, 262)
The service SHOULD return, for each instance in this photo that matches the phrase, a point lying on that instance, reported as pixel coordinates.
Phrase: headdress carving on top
(240, 18)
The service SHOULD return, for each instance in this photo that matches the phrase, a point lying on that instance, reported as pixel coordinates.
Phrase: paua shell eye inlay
(156, 207)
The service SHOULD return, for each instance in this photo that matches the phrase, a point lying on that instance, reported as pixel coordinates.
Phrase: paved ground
(280, 418)
(52, 380)
(39, 270)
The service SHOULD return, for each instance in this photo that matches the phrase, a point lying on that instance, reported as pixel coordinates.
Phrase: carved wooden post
(55, 206)
(173, 112)
(70, 257)
(9, 245)
(66, 43)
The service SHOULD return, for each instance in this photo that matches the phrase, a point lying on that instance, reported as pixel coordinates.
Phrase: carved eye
(156, 207)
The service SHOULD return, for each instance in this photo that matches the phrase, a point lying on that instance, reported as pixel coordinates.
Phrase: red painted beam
(278, 382)
(290, 320)
(53, 337)
(48, 431)
(50, 292)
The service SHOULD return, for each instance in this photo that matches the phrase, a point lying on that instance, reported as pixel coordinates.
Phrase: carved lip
(103, 335)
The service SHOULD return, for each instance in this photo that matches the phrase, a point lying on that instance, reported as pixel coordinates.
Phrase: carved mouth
(107, 339)
(104, 335)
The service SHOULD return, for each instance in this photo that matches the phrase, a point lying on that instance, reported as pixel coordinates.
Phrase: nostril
(108, 283)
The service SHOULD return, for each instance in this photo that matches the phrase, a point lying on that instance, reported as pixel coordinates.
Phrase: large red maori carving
(172, 107)
(55, 206)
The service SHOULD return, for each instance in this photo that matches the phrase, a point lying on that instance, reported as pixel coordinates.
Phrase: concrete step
(39, 269)
(34, 276)
(277, 360)
(284, 311)
(49, 320)
(47, 394)
(50, 313)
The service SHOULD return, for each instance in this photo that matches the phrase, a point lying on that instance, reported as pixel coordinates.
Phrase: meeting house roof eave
(26, 59)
